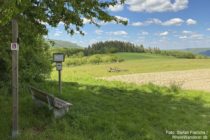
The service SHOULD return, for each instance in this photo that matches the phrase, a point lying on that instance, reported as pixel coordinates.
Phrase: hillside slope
(64, 44)
(202, 51)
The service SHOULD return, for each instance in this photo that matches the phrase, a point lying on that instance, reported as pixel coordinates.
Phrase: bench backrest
(49, 99)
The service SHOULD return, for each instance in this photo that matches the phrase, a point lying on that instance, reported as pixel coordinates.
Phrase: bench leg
(38, 103)
(59, 112)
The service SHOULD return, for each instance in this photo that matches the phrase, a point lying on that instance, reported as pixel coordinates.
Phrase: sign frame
(62, 59)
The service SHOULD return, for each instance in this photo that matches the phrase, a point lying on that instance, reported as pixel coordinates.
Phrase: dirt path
(188, 79)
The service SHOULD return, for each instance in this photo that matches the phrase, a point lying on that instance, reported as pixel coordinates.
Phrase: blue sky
(167, 24)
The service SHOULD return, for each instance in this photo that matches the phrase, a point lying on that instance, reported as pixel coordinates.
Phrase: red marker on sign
(14, 47)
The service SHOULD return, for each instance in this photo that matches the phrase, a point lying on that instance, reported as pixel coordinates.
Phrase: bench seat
(59, 106)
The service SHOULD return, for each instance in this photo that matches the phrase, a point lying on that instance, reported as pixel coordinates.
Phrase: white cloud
(57, 33)
(98, 32)
(85, 20)
(137, 24)
(164, 33)
(61, 23)
(208, 29)
(144, 33)
(174, 21)
(170, 22)
(187, 32)
(77, 32)
(156, 5)
(116, 8)
(183, 37)
(191, 35)
(197, 36)
(191, 22)
(122, 18)
(118, 33)
(147, 22)
(99, 22)
(153, 21)
(43, 23)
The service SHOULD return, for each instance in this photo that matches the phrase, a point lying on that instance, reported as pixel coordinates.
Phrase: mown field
(139, 63)
(104, 110)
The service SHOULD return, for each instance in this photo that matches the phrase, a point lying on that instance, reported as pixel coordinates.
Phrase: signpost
(15, 49)
(59, 58)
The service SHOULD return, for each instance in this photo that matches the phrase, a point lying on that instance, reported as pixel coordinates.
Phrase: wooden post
(59, 82)
(15, 80)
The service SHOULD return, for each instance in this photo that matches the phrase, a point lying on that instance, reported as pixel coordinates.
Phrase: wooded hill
(120, 46)
(112, 47)
(202, 51)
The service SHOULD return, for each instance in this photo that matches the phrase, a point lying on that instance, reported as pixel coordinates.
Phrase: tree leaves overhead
(69, 12)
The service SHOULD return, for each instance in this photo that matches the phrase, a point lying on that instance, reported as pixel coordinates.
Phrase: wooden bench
(59, 107)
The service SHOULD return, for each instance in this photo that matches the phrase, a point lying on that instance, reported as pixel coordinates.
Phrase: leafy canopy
(71, 13)
(32, 15)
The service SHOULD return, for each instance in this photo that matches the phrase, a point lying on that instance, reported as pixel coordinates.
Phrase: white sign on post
(59, 66)
(14, 46)
(58, 57)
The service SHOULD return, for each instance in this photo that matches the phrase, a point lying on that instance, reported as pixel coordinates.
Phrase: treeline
(120, 46)
(102, 52)
(174, 53)
(68, 51)
(112, 47)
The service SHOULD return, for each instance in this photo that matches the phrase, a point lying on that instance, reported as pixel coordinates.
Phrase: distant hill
(64, 44)
(202, 51)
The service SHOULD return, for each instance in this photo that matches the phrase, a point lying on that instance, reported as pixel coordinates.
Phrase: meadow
(104, 110)
(139, 63)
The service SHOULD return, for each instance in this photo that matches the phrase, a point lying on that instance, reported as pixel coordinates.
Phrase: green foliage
(119, 46)
(175, 87)
(112, 47)
(111, 110)
(34, 58)
(107, 111)
(140, 63)
(179, 54)
(201, 51)
(71, 13)
(35, 61)
(68, 51)
(201, 56)
(32, 17)
(93, 59)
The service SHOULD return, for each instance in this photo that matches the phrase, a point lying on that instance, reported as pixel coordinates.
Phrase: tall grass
(105, 110)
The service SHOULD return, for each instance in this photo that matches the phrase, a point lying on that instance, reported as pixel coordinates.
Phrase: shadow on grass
(109, 113)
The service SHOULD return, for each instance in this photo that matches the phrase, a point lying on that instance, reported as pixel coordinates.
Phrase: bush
(68, 51)
(34, 61)
(179, 54)
(94, 59)
(34, 56)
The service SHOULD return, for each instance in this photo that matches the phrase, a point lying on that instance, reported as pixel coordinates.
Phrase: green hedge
(93, 59)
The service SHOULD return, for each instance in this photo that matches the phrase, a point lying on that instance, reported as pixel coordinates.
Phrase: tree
(112, 47)
(72, 13)
(33, 16)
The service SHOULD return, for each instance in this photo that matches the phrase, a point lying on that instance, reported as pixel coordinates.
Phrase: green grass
(134, 56)
(110, 110)
(140, 63)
